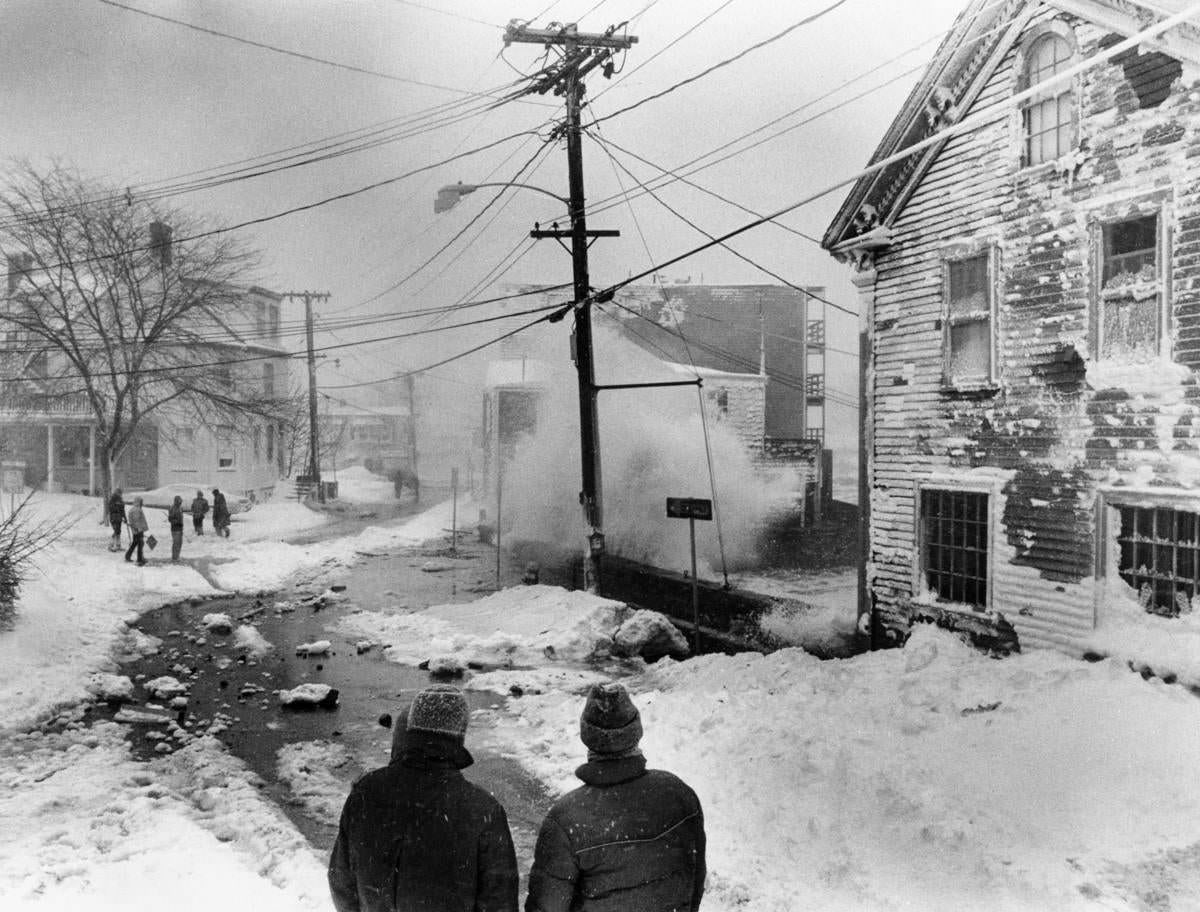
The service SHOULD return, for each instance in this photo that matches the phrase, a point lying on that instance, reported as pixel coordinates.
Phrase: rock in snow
(309, 695)
(220, 624)
(650, 635)
(447, 666)
(110, 687)
(165, 687)
(316, 648)
(146, 715)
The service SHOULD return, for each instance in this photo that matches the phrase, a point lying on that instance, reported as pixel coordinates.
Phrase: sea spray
(652, 447)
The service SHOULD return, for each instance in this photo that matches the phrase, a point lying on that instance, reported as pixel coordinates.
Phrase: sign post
(692, 509)
(454, 511)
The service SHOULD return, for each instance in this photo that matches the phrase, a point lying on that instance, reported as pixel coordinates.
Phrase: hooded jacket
(628, 840)
(416, 836)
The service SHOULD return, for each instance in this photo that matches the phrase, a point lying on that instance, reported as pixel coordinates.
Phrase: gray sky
(137, 100)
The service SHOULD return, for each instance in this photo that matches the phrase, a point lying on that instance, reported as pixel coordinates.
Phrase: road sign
(689, 508)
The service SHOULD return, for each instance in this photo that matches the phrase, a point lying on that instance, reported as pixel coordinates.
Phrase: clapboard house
(1030, 284)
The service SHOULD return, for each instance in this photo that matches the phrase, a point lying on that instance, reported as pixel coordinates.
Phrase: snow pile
(315, 648)
(929, 777)
(102, 832)
(164, 688)
(309, 695)
(248, 640)
(105, 686)
(356, 485)
(1168, 647)
(307, 768)
(518, 626)
(220, 624)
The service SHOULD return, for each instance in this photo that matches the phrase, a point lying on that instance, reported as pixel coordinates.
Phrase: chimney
(19, 265)
(160, 241)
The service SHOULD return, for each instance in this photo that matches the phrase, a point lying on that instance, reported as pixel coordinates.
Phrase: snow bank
(1169, 647)
(102, 832)
(247, 639)
(518, 626)
(358, 486)
(308, 768)
(929, 777)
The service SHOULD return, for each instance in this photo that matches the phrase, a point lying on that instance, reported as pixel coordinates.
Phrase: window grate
(955, 546)
(1159, 557)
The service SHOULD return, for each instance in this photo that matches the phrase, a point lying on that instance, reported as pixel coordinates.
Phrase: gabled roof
(983, 33)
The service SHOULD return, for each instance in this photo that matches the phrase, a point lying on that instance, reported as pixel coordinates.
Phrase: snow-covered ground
(928, 777)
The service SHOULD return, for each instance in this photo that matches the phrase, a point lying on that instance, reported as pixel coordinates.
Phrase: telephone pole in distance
(314, 450)
(582, 53)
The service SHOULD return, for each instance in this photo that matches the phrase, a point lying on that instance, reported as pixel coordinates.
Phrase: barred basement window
(1159, 557)
(954, 546)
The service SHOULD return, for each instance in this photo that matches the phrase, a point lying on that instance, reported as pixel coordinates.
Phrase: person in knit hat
(629, 839)
(415, 834)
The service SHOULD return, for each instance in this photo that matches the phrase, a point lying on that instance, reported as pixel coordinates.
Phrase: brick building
(1031, 292)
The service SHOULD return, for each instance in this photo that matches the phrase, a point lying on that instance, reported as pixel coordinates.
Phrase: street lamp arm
(448, 196)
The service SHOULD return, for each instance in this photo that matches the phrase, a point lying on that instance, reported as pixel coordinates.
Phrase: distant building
(52, 431)
(352, 434)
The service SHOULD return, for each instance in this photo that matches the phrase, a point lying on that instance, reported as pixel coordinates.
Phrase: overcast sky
(137, 100)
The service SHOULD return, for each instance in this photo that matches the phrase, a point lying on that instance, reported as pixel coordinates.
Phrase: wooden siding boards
(1057, 437)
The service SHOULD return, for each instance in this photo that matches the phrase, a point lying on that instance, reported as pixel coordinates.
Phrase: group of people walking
(135, 519)
(416, 835)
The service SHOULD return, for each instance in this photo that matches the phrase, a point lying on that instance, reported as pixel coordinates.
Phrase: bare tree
(294, 426)
(131, 307)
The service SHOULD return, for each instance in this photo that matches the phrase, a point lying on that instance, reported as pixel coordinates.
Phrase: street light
(448, 196)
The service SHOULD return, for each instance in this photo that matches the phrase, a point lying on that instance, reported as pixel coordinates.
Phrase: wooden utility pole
(314, 450)
(582, 53)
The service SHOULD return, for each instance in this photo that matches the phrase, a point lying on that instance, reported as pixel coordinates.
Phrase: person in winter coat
(175, 518)
(415, 835)
(629, 839)
(220, 514)
(116, 518)
(199, 511)
(139, 527)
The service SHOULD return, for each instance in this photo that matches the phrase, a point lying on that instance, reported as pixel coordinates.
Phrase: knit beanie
(441, 709)
(610, 723)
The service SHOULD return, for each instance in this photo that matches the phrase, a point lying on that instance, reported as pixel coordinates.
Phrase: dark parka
(628, 840)
(199, 506)
(416, 836)
(116, 508)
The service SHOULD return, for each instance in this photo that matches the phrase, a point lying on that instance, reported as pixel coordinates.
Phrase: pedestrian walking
(116, 518)
(415, 834)
(220, 512)
(629, 839)
(175, 518)
(199, 511)
(138, 527)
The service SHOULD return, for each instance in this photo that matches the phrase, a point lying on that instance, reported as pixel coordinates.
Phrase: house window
(969, 320)
(954, 546)
(225, 449)
(1131, 299)
(256, 438)
(270, 442)
(268, 380)
(722, 402)
(1048, 117)
(1159, 557)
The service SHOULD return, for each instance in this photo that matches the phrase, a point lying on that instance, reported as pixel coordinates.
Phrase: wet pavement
(239, 692)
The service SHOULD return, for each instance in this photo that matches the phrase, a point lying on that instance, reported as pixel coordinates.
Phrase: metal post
(695, 591)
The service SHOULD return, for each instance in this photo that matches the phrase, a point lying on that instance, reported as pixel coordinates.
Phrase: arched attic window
(1047, 118)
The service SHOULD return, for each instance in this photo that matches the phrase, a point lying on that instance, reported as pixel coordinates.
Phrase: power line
(178, 368)
(279, 50)
(970, 122)
(434, 9)
(687, 221)
(727, 61)
(660, 52)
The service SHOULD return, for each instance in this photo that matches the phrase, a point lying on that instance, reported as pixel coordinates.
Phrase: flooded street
(238, 691)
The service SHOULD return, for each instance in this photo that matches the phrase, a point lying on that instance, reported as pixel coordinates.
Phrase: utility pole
(582, 53)
(410, 383)
(314, 450)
